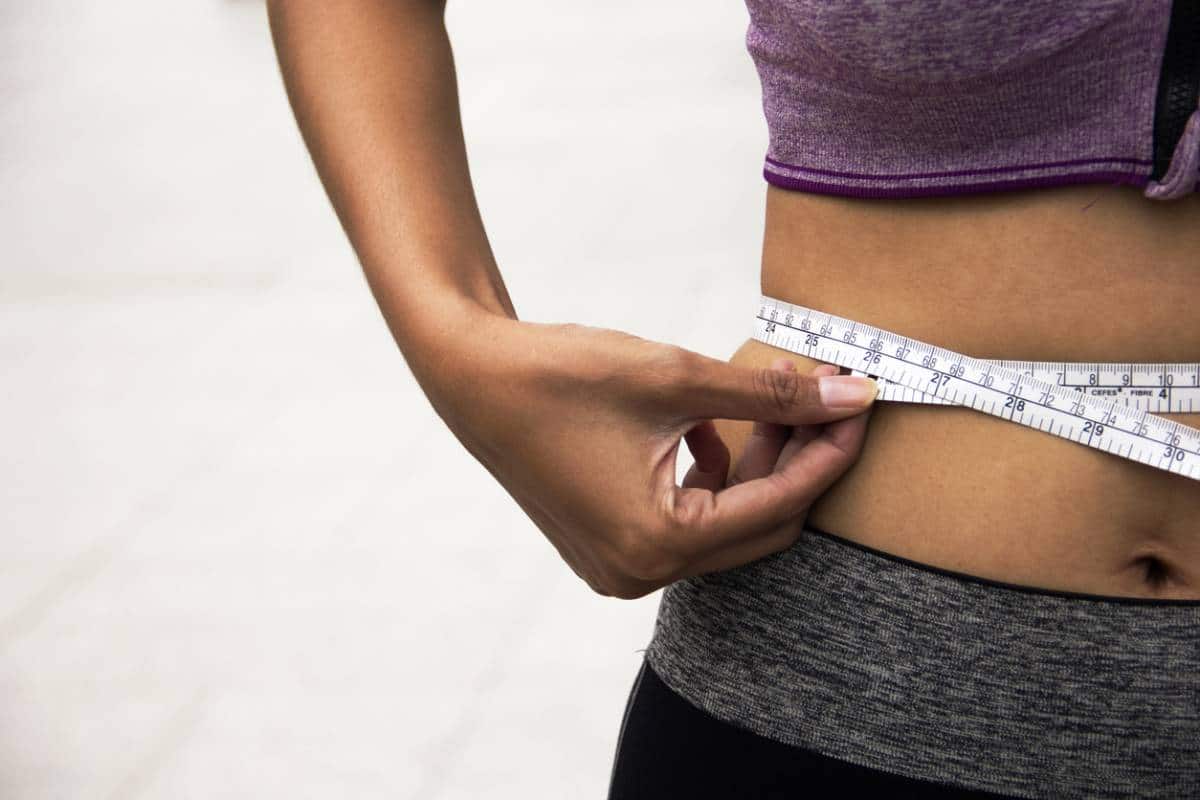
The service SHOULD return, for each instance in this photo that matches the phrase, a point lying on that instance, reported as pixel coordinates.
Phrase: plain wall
(240, 555)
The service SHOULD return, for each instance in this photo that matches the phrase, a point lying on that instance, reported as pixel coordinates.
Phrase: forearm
(372, 85)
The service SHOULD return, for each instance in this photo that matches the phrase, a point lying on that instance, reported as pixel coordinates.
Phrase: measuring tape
(1104, 406)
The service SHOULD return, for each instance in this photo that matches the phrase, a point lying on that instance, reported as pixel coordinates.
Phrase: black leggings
(670, 749)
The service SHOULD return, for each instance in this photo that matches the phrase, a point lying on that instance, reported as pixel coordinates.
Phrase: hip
(937, 676)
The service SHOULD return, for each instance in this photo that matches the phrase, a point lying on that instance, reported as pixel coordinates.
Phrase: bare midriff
(1083, 273)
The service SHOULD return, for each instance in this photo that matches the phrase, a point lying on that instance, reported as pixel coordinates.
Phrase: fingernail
(847, 391)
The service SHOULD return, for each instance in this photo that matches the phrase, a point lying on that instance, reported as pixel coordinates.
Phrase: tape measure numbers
(1104, 406)
(1161, 388)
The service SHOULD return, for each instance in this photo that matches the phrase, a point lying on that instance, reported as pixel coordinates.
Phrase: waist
(941, 676)
(1068, 274)
(1081, 274)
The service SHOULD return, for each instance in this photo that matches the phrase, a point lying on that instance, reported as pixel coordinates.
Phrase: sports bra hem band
(1075, 162)
(1101, 177)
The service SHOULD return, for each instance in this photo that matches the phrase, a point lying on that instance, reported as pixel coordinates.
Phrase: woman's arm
(372, 85)
(581, 425)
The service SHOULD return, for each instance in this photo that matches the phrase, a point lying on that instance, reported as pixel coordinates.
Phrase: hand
(582, 425)
(769, 447)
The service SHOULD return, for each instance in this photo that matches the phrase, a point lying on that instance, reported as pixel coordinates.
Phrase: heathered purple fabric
(882, 99)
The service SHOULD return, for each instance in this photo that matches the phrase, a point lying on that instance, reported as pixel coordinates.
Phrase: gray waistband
(918, 672)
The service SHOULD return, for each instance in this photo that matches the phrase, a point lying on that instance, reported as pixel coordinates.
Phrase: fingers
(741, 550)
(711, 457)
(802, 434)
(717, 389)
(768, 446)
(762, 447)
(846, 434)
(739, 553)
(735, 520)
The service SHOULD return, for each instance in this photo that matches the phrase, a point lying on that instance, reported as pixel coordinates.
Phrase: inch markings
(1103, 406)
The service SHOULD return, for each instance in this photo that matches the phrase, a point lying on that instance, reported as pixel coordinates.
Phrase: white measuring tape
(1105, 406)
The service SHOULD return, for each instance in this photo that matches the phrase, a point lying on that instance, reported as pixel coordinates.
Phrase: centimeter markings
(992, 387)
(1165, 388)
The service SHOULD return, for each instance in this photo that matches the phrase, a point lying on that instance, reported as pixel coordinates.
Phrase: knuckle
(779, 390)
(631, 591)
(650, 566)
(690, 512)
(783, 538)
(598, 586)
(844, 456)
(773, 389)
(644, 557)
(613, 584)
(616, 582)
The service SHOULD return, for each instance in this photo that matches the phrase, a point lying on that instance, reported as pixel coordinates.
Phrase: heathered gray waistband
(893, 665)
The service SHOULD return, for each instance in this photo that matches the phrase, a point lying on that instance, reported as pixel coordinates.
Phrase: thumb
(720, 390)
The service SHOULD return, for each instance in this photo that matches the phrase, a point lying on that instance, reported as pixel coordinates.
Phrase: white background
(240, 556)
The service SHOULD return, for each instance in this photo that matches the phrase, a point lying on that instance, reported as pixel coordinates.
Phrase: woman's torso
(1082, 273)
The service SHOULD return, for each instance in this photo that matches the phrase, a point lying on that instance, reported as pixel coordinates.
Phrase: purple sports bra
(869, 98)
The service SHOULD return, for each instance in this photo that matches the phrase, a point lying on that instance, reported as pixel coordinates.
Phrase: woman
(975, 607)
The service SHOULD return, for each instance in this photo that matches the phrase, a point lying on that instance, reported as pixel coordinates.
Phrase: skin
(581, 425)
(1082, 273)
